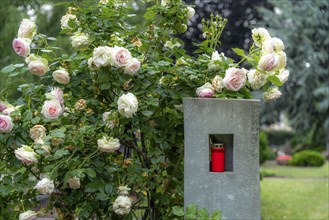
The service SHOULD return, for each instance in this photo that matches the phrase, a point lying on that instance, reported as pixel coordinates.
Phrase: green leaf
(61, 153)
(51, 38)
(203, 213)
(92, 187)
(5, 190)
(239, 52)
(109, 188)
(90, 172)
(178, 211)
(147, 113)
(8, 69)
(216, 215)
(275, 80)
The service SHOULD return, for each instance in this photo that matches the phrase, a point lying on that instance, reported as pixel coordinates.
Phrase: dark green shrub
(264, 151)
(279, 137)
(307, 158)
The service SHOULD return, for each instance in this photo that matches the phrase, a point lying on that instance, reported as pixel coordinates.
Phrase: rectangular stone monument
(234, 123)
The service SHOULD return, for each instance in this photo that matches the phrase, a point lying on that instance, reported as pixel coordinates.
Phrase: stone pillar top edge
(219, 99)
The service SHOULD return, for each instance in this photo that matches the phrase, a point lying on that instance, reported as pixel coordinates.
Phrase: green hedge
(307, 158)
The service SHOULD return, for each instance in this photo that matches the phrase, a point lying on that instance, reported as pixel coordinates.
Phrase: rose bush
(101, 132)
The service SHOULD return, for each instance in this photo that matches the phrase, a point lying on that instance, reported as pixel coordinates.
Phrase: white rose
(28, 215)
(108, 145)
(104, 2)
(80, 40)
(45, 186)
(74, 183)
(259, 35)
(120, 57)
(217, 83)
(26, 155)
(110, 119)
(205, 91)
(272, 94)
(26, 29)
(169, 44)
(133, 66)
(128, 105)
(256, 79)
(282, 60)
(124, 190)
(268, 62)
(215, 58)
(102, 56)
(235, 79)
(122, 205)
(52, 109)
(38, 132)
(61, 76)
(190, 12)
(37, 66)
(165, 2)
(65, 21)
(272, 45)
(283, 75)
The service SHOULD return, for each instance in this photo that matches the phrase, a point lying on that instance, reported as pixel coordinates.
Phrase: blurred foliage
(264, 151)
(307, 158)
(306, 94)
(278, 137)
(241, 16)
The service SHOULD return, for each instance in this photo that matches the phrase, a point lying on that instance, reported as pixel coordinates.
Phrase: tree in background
(303, 26)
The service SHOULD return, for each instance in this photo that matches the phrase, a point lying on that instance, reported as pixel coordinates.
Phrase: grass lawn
(295, 199)
(296, 172)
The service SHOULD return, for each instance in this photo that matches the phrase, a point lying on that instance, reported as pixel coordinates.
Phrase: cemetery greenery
(100, 134)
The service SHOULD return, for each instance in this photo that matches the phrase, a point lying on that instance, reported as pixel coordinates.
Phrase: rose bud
(61, 76)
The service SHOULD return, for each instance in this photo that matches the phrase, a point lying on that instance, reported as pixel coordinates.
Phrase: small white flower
(283, 75)
(26, 155)
(217, 83)
(272, 94)
(190, 12)
(122, 205)
(128, 105)
(65, 20)
(45, 186)
(256, 79)
(108, 145)
(80, 40)
(28, 215)
(259, 35)
(171, 45)
(74, 183)
(124, 190)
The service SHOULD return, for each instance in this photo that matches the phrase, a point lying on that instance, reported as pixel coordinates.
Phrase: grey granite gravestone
(236, 124)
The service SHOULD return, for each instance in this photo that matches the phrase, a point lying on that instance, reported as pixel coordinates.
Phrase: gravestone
(234, 123)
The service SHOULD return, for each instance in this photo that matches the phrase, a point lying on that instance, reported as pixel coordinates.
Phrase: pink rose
(37, 65)
(120, 56)
(268, 62)
(22, 46)
(52, 109)
(205, 91)
(133, 66)
(5, 124)
(235, 79)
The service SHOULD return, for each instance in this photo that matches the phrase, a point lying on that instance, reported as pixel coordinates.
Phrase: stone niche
(235, 123)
